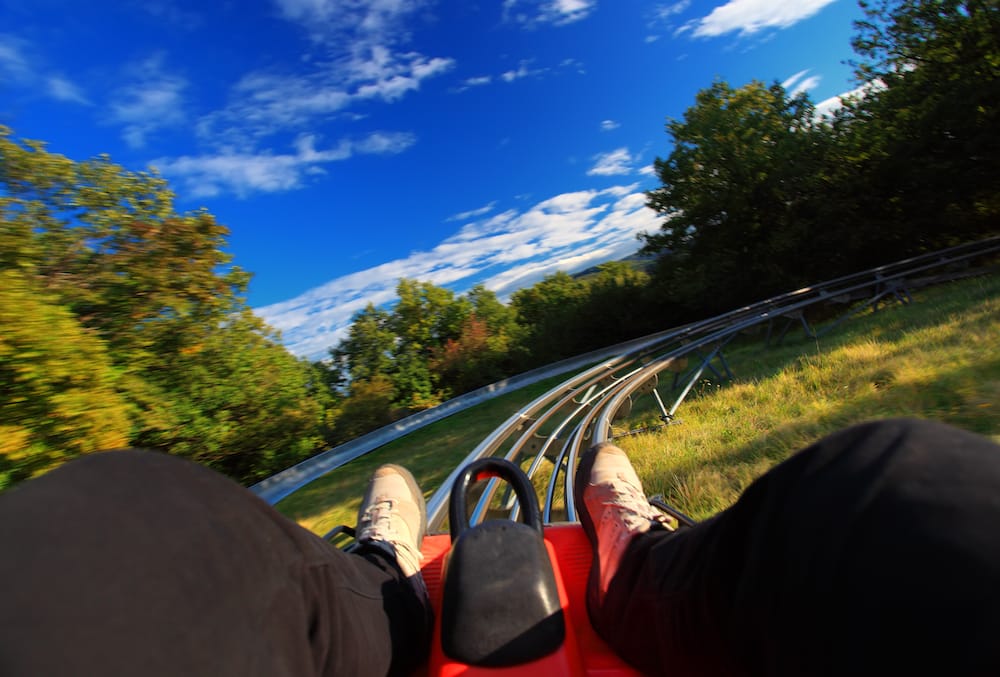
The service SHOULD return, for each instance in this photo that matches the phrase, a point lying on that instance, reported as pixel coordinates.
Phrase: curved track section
(547, 435)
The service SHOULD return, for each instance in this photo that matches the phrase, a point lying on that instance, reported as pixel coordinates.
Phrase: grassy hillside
(937, 358)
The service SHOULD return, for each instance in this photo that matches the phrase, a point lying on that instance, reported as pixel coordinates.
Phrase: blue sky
(347, 143)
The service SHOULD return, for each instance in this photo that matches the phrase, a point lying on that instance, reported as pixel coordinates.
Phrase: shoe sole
(579, 484)
(414, 488)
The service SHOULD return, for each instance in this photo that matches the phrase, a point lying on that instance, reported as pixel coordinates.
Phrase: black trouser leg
(137, 563)
(874, 551)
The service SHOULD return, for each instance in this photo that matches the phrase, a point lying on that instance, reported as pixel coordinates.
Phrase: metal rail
(580, 411)
(583, 408)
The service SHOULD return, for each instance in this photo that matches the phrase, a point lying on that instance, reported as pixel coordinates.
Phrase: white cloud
(263, 104)
(368, 21)
(13, 62)
(473, 213)
(665, 12)
(366, 39)
(618, 161)
(152, 100)
(609, 125)
(506, 251)
(242, 172)
(751, 16)
(799, 83)
(827, 107)
(478, 81)
(16, 68)
(535, 13)
(63, 90)
(523, 70)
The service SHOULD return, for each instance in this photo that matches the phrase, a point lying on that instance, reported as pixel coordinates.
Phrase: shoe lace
(632, 505)
(377, 525)
(377, 521)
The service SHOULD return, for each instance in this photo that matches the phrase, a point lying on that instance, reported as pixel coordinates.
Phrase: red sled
(509, 597)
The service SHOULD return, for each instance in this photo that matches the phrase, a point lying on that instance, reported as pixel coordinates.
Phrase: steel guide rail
(585, 405)
(589, 418)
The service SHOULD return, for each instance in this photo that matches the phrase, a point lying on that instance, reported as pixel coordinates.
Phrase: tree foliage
(124, 324)
(60, 389)
(123, 321)
(738, 191)
(926, 134)
(759, 196)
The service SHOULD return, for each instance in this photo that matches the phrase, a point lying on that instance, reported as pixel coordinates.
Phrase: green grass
(937, 358)
(430, 453)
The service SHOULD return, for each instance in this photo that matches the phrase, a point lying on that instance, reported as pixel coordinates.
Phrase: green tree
(151, 314)
(238, 402)
(424, 319)
(616, 307)
(738, 192)
(60, 393)
(923, 142)
(368, 407)
(109, 242)
(367, 350)
(550, 313)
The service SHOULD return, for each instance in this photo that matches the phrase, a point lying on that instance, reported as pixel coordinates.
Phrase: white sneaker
(393, 511)
(613, 510)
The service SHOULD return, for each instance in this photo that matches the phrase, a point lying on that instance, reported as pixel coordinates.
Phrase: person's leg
(129, 563)
(875, 551)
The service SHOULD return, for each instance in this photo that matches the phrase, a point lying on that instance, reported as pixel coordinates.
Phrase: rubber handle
(483, 469)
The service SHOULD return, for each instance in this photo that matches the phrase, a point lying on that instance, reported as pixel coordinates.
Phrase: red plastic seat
(583, 653)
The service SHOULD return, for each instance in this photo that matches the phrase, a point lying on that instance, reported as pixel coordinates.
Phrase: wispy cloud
(242, 173)
(263, 104)
(612, 163)
(13, 62)
(526, 68)
(609, 125)
(152, 99)
(473, 213)
(358, 53)
(799, 83)
(523, 70)
(506, 251)
(62, 89)
(663, 17)
(536, 13)
(828, 107)
(478, 81)
(16, 68)
(367, 40)
(665, 12)
(751, 16)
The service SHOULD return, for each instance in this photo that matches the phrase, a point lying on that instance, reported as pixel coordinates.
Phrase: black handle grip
(485, 468)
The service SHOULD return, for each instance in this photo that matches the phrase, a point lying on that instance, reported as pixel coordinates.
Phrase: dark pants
(875, 551)
(136, 563)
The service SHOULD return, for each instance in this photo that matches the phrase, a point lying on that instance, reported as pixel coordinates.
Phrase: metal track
(549, 433)
(553, 430)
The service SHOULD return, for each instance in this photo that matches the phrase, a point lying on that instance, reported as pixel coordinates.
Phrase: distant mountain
(638, 260)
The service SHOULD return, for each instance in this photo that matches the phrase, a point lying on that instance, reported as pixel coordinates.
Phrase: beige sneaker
(393, 511)
(613, 510)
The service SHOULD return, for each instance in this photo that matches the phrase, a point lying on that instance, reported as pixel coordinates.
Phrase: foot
(613, 510)
(393, 512)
